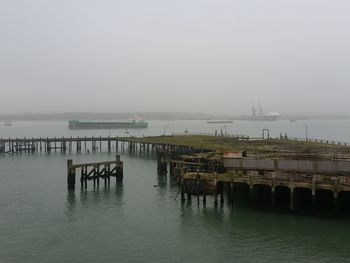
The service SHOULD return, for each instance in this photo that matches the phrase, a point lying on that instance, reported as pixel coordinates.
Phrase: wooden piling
(70, 175)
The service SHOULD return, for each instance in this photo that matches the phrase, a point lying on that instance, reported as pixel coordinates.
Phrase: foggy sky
(182, 55)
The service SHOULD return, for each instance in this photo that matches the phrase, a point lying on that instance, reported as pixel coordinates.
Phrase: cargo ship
(219, 121)
(76, 124)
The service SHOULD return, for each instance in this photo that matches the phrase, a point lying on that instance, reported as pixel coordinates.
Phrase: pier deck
(267, 148)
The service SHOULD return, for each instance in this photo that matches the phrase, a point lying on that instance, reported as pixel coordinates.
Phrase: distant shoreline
(161, 116)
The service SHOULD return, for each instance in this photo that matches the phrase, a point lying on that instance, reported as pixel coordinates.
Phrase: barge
(76, 124)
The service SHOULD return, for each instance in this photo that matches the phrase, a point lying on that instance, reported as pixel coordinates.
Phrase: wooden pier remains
(288, 183)
(94, 171)
(48, 145)
(279, 172)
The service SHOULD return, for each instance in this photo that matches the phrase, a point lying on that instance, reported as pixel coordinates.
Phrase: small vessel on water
(7, 123)
(76, 124)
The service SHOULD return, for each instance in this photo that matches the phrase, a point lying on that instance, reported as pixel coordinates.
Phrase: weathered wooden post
(162, 163)
(119, 169)
(221, 193)
(183, 191)
(2, 148)
(107, 172)
(216, 193)
(70, 175)
(198, 187)
(189, 191)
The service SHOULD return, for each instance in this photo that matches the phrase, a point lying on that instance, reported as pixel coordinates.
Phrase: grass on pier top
(267, 147)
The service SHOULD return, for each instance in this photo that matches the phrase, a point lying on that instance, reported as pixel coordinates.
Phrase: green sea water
(140, 220)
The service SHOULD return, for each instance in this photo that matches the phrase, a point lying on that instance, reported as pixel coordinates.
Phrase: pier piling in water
(293, 185)
(278, 177)
(95, 171)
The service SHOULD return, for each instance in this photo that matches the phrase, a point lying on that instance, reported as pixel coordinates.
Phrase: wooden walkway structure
(94, 171)
(87, 144)
(309, 177)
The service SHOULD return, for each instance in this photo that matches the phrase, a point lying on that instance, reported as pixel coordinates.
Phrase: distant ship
(219, 121)
(76, 124)
(259, 115)
(7, 123)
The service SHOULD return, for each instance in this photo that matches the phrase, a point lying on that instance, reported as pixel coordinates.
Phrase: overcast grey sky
(179, 55)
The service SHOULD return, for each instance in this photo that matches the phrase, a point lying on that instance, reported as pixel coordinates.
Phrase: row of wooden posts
(86, 144)
(94, 172)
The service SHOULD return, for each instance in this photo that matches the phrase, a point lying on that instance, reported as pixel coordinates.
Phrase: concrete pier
(298, 185)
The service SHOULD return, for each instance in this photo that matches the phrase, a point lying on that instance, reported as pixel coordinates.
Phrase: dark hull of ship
(215, 122)
(82, 126)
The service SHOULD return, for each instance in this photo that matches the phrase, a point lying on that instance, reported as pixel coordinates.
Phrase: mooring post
(216, 193)
(2, 147)
(70, 175)
(183, 192)
(198, 186)
(189, 191)
(119, 169)
(162, 163)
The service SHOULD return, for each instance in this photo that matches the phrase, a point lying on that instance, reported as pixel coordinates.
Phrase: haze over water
(204, 56)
